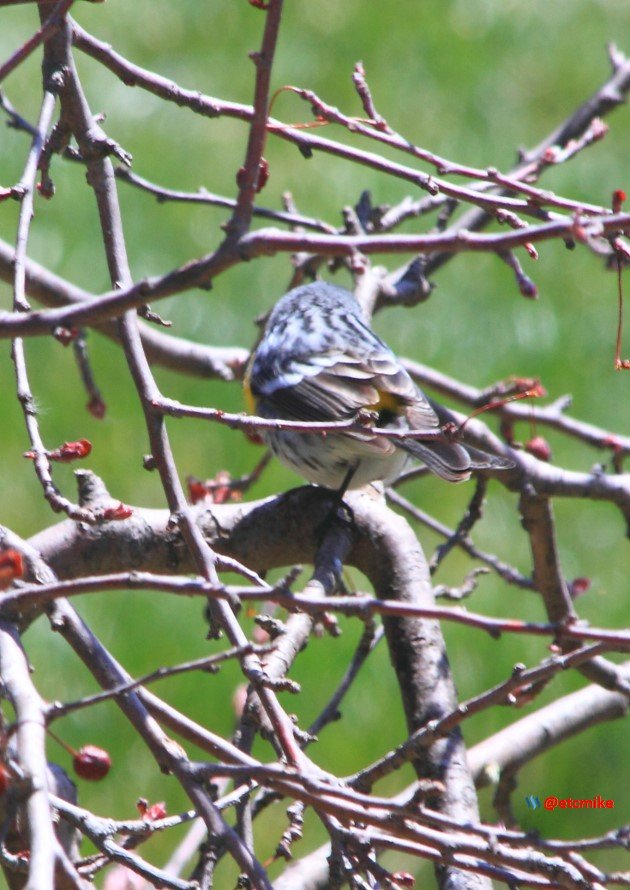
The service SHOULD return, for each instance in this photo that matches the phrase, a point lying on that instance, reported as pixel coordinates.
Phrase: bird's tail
(451, 460)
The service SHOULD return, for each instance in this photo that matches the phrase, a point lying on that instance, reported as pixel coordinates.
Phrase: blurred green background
(473, 81)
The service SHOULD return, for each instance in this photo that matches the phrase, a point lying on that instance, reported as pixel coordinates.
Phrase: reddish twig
(361, 605)
(622, 255)
(434, 185)
(41, 460)
(252, 175)
(553, 415)
(607, 97)
(100, 176)
(50, 25)
(269, 241)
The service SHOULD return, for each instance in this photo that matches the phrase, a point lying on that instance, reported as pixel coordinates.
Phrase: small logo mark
(533, 802)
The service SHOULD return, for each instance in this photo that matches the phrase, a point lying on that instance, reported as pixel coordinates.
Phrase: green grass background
(473, 81)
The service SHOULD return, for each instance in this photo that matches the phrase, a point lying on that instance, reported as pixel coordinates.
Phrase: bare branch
(219, 549)
(31, 755)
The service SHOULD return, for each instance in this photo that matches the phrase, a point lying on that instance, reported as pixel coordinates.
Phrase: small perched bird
(318, 360)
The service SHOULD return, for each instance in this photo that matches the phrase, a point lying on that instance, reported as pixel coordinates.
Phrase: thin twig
(202, 196)
(251, 177)
(50, 25)
(209, 664)
(313, 604)
(507, 572)
(507, 693)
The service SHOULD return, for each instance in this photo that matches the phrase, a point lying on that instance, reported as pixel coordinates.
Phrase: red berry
(92, 763)
(539, 447)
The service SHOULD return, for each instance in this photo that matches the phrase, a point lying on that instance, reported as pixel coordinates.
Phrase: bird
(319, 360)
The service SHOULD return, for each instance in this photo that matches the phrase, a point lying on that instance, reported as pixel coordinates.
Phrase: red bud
(197, 490)
(254, 437)
(579, 586)
(550, 154)
(65, 335)
(403, 879)
(67, 452)
(11, 567)
(155, 811)
(97, 407)
(263, 174)
(113, 514)
(618, 198)
(613, 443)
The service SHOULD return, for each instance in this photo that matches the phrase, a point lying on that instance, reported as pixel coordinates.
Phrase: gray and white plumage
(318, 360)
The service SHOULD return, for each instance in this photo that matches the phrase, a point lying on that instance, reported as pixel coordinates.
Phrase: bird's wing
(335, 385)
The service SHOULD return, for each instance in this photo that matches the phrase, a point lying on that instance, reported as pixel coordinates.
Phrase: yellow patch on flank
(250, 401)
(387, 401)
